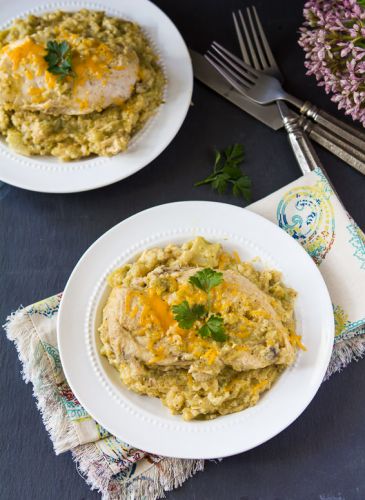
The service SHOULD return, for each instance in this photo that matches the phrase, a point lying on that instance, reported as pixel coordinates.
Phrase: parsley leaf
(59, 59)
(242, 187)
(227, 172)
(206, 279)
(213, 328)
(186, 315)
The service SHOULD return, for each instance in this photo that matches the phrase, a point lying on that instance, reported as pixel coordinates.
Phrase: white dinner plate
(143, 421)
(48, 174)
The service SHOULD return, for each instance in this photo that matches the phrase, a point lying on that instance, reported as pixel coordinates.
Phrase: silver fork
(253, 84)
(257, 55)
(257, 52)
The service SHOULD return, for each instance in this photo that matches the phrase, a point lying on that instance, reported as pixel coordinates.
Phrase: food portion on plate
(75, 84)
(198, 328)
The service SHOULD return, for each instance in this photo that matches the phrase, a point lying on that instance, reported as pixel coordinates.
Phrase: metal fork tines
(256, 52)
(255, 84)
(255, 48)
(238, 73)
(262, 88)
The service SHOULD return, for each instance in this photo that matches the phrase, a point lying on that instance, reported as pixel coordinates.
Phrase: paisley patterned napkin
(309, 211)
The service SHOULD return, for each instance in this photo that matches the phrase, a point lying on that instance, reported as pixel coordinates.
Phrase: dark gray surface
(321, 456)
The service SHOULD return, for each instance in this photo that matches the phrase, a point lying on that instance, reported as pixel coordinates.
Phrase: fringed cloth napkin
(310, 212)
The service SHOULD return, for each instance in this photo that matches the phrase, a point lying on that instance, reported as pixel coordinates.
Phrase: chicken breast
(101, 77)
(138, 324)
(229, 338)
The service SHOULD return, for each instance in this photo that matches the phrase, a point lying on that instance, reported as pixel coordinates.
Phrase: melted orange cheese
(83, 103)
(296, 340)
(25, 51)
(134, 312)
(128, 302)
(50, 79)
(28, 74)
(244, 348)
(118, 101)
(236, 257)
(33, 54)
(95, 64)
(259, 313)
(154, 309)
(161, 310)
(159, 354)
(210, 355)
(35, 90)
(187, 291)
(37, 94)
(261, 386)
(224, 260)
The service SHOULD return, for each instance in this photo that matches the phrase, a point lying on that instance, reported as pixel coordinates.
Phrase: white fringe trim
(165, 475)
(151, 484)
(92, 466)
(162, 476)
(37, 369)
(346, 351)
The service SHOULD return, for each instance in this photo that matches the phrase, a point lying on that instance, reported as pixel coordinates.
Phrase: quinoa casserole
(198, 328)
(75, 84)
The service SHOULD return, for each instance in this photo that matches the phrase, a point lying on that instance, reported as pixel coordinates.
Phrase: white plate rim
(43, 174)
(326, 343)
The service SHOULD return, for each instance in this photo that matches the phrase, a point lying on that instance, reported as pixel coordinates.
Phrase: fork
(252, 84)
(263, 59)
(260, 84)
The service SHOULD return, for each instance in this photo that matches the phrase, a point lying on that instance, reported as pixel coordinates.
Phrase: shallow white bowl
(49, 175)
(143, 421)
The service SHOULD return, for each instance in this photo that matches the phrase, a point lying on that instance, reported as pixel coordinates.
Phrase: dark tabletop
(321, 455)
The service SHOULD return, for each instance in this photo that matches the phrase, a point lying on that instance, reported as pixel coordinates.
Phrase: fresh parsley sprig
(213, 328)
(59, 59)
(187, 315)
(206, 279)
(227, 171)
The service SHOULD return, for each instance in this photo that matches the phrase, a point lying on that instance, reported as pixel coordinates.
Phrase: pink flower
(333, 38)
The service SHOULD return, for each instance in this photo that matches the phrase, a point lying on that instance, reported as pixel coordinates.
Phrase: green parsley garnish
(186, 315)
(206, 279)
(59, 59)
(213, 328)
(227, 172)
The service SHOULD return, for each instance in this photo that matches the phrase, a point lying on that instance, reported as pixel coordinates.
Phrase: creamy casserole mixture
(74, 84)
(199, 329)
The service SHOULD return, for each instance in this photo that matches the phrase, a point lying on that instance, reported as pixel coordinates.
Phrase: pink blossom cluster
(333, 37)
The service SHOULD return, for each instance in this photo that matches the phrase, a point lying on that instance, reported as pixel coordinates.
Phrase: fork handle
(303, 150)
(350, 134)
(334, 144)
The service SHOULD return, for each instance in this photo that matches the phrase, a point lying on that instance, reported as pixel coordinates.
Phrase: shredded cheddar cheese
(24, 52)
(161, 310)
(195, 374)
(296, 340)
(236, 257)
(210, 355)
